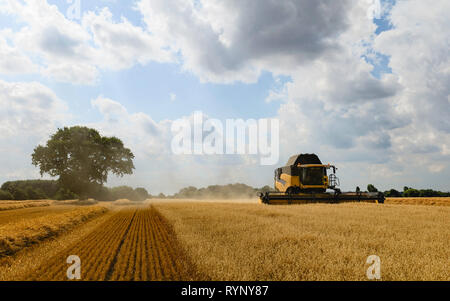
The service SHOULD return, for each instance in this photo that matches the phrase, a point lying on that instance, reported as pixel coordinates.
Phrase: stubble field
(223, 240)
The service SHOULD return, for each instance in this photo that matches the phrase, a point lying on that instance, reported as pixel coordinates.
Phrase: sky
(363, 84)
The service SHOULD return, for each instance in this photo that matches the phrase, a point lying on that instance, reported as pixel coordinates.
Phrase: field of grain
(19, 265)
(134, 244)
(19, 230)
(221, 240)
(11, 205)
(20, 215)
(436, 201)
(313, 242)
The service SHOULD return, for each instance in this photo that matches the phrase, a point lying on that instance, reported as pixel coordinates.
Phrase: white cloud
(109, 108)
(28, 108)
(137, 129)
(13, 61)
(418, 46)
(122, 44)
(235, 40)
(418, 49)
(29, 113)
(74, 73)
(73, 52)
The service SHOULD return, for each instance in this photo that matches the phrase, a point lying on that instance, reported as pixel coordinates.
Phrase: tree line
(230, 191)
(50, 189)
(409, 192)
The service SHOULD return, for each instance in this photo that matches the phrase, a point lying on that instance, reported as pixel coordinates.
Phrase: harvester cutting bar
(305, 198)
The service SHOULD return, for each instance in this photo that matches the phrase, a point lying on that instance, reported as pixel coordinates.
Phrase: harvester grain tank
(305, 179)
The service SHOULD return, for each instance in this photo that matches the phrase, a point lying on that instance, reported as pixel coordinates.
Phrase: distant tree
(82, 159)
(429, 193)
(393, 193)
(405, 188)
(35, 189)
(142, 194)
(123, 192)
(66, 194)
(161, 196)
(5, 195)
(188, 192)
(371, 188)
(35, 193)
(266, 188)
(411, 192)
(102, 194)
(20, 194)
(229, 191)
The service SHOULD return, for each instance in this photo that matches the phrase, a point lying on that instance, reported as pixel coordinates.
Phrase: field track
(134, 244)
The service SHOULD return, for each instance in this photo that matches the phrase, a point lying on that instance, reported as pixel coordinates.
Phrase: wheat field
(222, 240)
(18, 230)
(134, 244)
(314, 241)
(11, 205)
(431, 201)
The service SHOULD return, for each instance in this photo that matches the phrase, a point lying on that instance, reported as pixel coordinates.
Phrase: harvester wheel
(293, 190)
(290, 191)
(381, 198)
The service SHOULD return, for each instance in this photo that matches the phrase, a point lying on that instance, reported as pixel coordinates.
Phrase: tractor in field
(305, 179)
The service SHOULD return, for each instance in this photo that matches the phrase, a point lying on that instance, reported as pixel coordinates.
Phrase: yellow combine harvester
(304, 179)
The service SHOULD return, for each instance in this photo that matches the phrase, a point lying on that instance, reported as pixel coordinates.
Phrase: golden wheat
(14, 216)
(25, 232)
(313, 242)
(435, 201)
(11, 205)
(21, 264)
(133, 244)
(229, 241)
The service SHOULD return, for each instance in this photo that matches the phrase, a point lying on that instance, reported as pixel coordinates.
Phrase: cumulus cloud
(74, 73)
(235, 40)
(137, 129)
(29, 113)
(72, 52)
(28, 108)
(418, 47)
(418, 50)
(13, 61)
(122, 44)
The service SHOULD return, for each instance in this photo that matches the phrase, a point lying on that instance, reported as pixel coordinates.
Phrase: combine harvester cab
(304, 180)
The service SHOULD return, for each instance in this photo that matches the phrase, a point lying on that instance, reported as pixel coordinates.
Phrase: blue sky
(344, 86)
(148, 88)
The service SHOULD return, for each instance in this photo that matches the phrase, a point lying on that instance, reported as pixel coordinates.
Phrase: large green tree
(82, 158)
